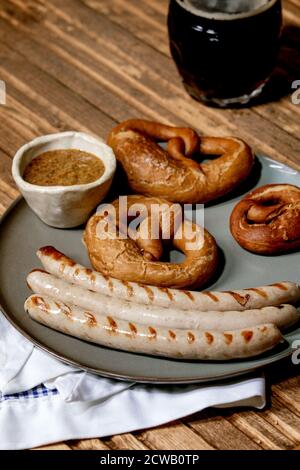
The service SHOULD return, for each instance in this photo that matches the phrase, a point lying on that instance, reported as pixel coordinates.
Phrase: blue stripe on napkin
(36, 392)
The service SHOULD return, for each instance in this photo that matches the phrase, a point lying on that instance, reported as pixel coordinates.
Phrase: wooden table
(86, 64)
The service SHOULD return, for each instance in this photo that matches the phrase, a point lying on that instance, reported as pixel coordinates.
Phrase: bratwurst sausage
(46, 284)
(64, 267)
(174, 343)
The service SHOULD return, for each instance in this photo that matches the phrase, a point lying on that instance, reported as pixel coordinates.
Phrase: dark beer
(225, 50)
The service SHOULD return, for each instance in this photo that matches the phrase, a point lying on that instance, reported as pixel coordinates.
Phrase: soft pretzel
(267, 221)
(138, 260)
(170, 174)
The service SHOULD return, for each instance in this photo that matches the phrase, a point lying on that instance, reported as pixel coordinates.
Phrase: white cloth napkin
(42, 400)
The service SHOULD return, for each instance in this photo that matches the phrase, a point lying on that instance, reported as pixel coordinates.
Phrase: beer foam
(226, 9)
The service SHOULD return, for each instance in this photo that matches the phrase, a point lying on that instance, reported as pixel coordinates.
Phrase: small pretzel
(170, 174)
(267, 221)
(139, 260)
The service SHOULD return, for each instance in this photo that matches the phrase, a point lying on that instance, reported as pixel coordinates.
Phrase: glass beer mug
(225, 50)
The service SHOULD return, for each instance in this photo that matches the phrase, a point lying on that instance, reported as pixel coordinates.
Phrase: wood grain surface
(87, 64)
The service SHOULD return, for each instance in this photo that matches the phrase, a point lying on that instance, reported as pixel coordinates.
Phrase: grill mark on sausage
(40, 302)
(77, 272)
(128, 287)
(69, 261)
(166, 291)
(153, 332)
(189, 295)
(89, 273)
(211, 296)
(56, 255)
(280, 286)
(258, 291)
(190, 337)
(90, 319)
(247, 334)
(149, 292)
(132, 328)
(228, 338)
(172, 334)
(112, 323)
(52, 252)
(65, 309)
(209, 337)
(110, 285)
(109, 282)
(241, 299)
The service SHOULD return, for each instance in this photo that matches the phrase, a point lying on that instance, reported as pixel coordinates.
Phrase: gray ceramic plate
(22, 233)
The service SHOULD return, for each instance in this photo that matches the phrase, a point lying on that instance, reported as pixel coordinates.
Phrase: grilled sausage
(64, 267)
(46, 284)
(174, 343)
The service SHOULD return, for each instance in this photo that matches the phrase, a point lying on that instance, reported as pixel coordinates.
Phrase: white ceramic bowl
(64, 206)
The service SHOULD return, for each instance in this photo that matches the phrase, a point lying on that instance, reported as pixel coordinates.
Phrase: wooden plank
(26, 104)
(88, 444)
(75, 49)
(18, 125)
(59, 446)
(8, 190)
(160, 6)
(18, 119)
(33, 112)
(296, 2)
(173, 436)
(77, 113)
(261, 110)
(280, 114)
(288, 392)
(283, 419)
(141, 26)
(259, 132)
(275, 144)
(86, 81)
(291, 12)
(219, 432)
(261, 431)
(126, 442)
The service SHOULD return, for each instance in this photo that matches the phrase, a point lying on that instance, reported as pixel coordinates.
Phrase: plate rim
(122, 377)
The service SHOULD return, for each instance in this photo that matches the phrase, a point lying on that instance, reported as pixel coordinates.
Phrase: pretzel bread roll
(170, 174)
(107, 330)
(139, 260)
(267, 220)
